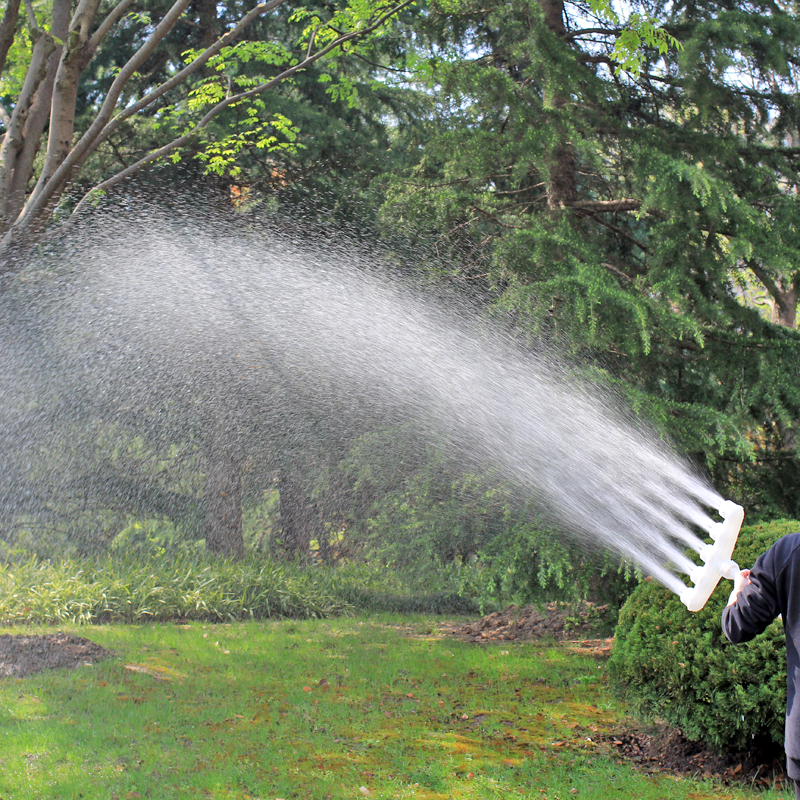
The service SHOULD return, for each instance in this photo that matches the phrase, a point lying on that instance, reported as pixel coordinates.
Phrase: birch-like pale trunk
(14, 139)
(74, 59)
(23, 167)
(59, 173)
(64, 159)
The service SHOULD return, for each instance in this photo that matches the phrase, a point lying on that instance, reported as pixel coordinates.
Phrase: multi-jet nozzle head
(716, 558)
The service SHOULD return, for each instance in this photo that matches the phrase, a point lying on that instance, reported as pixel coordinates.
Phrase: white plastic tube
(716, 558)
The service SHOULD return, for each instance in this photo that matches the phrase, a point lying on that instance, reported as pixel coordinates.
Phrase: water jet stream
(132, 314)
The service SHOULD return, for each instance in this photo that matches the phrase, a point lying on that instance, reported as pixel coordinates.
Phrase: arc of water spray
(183, 293)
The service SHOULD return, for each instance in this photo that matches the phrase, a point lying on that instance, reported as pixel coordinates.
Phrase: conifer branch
(625, 204)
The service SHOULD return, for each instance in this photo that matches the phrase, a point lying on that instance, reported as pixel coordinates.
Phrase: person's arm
(753, 603)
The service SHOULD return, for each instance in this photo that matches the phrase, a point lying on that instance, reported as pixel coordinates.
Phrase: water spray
(716, 557)
(124, 329)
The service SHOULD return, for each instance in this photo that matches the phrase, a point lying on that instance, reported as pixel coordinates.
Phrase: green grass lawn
(345, 708)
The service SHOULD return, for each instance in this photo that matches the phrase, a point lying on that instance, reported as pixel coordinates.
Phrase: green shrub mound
(676, 665)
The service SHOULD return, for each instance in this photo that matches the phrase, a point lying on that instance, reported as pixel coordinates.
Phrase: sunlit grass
(314, 709)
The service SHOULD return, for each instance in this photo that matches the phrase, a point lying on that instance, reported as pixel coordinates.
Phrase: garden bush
(678, 666)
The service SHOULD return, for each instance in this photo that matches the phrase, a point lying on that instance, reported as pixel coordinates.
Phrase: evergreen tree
(631, 218)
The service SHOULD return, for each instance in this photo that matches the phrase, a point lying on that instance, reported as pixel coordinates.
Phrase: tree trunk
(62, 113)
(23, 165)
(7, 27)
(787, 304)
(562, 187)
(222, 494)
(784, 291)
(295, 525)
(12, 142)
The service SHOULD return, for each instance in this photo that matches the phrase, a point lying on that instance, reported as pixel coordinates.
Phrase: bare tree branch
(98, 133)
(626, 204)
(189, 69)
(31, 16)
(617, 271)
(590, 31)
(13, 140)
(62, 111)
(108, 23)
(311, 43)
(785, 299)
(766, 280)
(38, 115)
(622, 232)
(47, 189)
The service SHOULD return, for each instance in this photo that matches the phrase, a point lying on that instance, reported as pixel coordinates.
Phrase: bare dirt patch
(653, 749)
(24, 655)
(576, 625)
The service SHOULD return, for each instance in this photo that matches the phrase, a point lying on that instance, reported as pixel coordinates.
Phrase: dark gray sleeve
(757, 604)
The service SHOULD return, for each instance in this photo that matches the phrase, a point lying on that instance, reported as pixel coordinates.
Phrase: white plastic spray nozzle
(716, 558)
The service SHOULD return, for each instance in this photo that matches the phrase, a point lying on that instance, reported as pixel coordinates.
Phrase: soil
(657, 748)
(578, 625)
(24, 655)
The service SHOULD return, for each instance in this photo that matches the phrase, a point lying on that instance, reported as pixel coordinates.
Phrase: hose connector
(716, 557)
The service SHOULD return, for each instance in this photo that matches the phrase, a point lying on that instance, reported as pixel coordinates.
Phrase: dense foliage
(678, 666)
(411, 506)
(138, 590)
(155, 584)
(646, 224)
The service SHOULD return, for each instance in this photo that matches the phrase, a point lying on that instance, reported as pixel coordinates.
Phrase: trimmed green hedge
(676, 665)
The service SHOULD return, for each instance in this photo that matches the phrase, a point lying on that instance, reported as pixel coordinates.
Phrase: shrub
(678, 666)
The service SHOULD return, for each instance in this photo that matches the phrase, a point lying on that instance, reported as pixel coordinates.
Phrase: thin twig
(311, 43)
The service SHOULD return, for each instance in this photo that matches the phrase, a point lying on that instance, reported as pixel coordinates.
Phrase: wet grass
(313, 709)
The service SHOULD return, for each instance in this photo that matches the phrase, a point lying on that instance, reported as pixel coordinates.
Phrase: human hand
(740, 580)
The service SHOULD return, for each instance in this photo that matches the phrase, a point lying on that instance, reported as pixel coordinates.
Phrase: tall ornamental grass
(190, 587)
